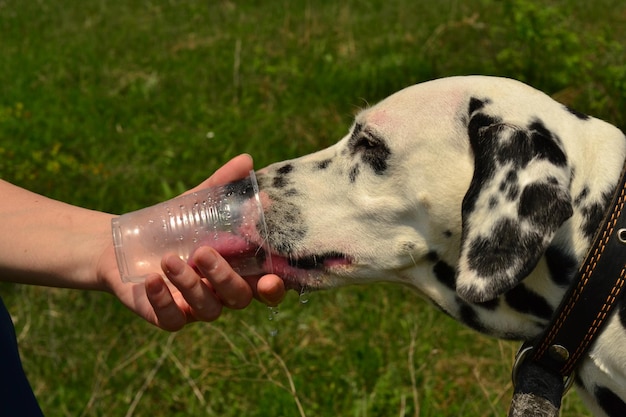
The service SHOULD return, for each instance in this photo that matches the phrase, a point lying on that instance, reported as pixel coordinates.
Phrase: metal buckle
(521, 356)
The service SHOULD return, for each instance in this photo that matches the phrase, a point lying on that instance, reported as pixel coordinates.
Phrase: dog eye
(365, 143)
(372, 150)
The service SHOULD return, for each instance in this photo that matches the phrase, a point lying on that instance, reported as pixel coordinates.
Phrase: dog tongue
(228, 244)
(245, 257)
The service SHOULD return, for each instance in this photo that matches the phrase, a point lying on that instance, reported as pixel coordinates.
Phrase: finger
(203, 302)
(270, 289)
(233, 290)
(237, 168)
(168, 314)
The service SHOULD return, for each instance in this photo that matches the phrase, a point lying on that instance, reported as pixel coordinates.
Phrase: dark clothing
(16, 396)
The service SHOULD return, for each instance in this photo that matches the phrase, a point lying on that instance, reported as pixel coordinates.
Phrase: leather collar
(593, 294)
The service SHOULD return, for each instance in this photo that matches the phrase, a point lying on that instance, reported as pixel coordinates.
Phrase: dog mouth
(309, 271)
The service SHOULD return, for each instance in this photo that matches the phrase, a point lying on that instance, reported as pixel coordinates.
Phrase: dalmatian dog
(481, 193)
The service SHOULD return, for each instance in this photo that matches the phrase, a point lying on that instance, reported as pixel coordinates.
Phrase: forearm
(47, 242)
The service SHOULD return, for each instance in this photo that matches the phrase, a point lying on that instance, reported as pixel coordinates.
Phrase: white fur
(387, 224)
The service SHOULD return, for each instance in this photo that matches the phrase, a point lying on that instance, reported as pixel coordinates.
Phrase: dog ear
(517, 199)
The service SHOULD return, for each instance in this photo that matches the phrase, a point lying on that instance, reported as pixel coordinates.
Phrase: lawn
(115, 105)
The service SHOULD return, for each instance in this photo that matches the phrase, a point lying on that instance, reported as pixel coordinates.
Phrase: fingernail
(207, 261)
(174, 265)
(154, 284)
(273, 292)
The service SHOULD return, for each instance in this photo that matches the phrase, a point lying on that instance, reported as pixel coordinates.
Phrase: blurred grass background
(115, 105)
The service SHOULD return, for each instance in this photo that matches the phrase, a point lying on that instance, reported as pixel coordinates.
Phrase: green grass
(115, 105)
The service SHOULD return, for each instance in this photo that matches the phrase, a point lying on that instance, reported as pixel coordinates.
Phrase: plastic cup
(229, 218)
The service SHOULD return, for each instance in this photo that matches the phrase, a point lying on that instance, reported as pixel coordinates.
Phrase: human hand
(200, 293)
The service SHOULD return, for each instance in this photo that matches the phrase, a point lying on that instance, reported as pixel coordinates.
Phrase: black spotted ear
(517, 199)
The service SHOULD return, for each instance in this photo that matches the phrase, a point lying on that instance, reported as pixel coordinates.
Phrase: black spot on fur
(358, 128)
(594, 214)
(476, 104)
(445, 274)
(519, 146)
(612, 405)
(432, 256)
(495, 144)
(581, 116)
(526, 301)
(354, 173)
(447, 233)
(469, 316)
(545, 205)
(510, 186)
(279, 181)
(516, 149)
(491, 257)
(546, 144)
(582, 196)
(562, 267)
(321, 165)
(477, 122)
(489, 305)
(285, 169)
(372, 149)
(484, 167)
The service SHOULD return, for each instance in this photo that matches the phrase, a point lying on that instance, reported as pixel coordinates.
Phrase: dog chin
(311, 272)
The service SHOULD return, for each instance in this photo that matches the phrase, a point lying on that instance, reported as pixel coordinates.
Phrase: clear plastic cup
(229, 218)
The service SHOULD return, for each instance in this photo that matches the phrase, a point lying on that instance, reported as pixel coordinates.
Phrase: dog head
(372, 206)
(464, 170)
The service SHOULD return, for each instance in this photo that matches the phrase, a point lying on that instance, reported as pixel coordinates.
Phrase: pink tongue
(237, 251)
(331, 262)
(229, 245)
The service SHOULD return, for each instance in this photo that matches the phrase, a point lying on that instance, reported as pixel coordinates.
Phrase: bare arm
(47, 242)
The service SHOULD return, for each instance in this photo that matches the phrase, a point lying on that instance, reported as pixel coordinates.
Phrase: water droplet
(304, 295)
(273, 312)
